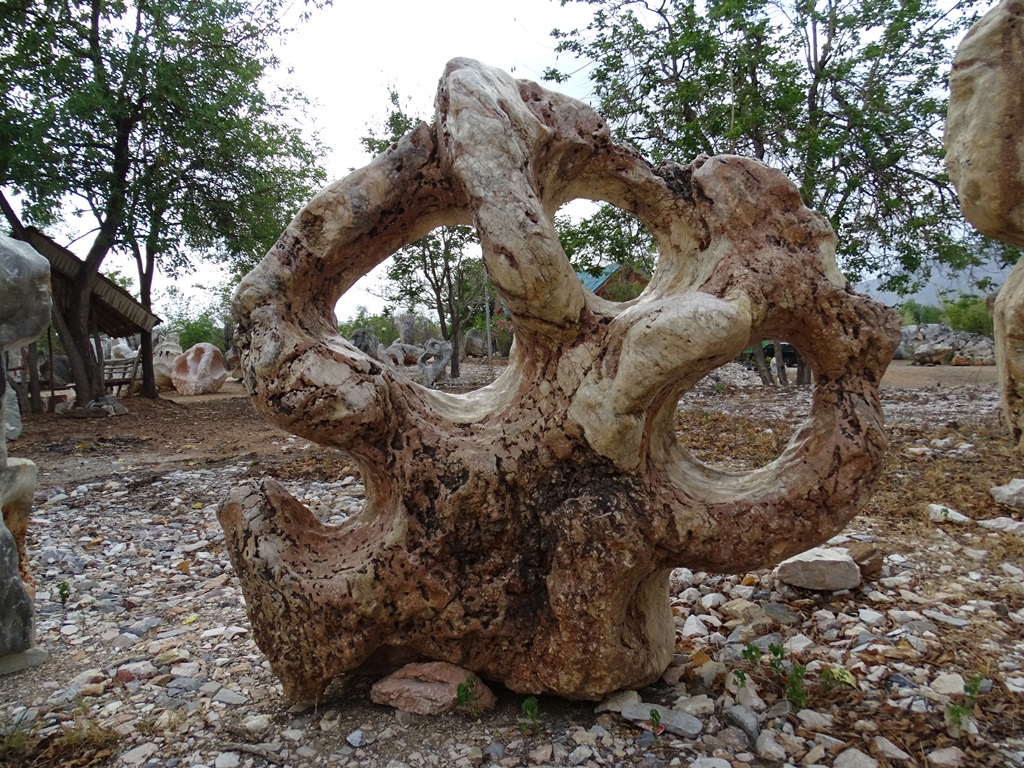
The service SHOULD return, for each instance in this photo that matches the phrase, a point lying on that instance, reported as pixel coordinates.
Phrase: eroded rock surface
(199, 371)
(985, 159)
(164, 355)
(526, 531)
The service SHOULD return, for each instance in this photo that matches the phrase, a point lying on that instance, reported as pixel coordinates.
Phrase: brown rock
(867, 557)
(433, 689)
(526, 531)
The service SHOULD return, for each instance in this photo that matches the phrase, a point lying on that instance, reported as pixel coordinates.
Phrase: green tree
(196, 321)
(847, 98)
(609, 236)
(151, 119)
(383, 325)
(968, 312)
(437, 270)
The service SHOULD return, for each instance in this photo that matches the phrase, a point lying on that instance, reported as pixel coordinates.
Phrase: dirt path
(902, 374)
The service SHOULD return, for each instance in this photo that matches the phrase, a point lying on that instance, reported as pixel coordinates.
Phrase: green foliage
(196, 322)
(751, 653)
(383, 325)
(154, 120)
(968, 313)
(153, 117)
(655, 719)
(831, 678)
(63, 592)
(530, 708)
(795, 690)
(465, 694)
(959, 715)
(847, 99)
(914, 313)
(610, 236)
(740, 677)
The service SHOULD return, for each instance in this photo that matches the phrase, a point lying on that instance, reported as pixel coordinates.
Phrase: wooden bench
(120, 373)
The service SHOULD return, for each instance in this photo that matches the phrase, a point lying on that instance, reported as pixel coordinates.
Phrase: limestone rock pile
(938, 344)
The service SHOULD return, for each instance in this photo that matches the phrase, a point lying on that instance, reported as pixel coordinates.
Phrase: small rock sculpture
(24, 314)
(526, 531)
(476, 344)
(432, 361)
(164, 354)
(985, 159)
(404, 354)
(199, 371)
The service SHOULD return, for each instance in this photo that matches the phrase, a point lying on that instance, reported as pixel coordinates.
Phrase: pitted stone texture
(199, 371)
(526, 531)
(985, 159)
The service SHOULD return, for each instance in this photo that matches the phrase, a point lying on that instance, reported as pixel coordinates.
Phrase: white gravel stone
(854, 758)
(948, 684)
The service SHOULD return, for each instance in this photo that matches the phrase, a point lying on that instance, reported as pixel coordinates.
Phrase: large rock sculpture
(24, 314)
(526, 531)
(985, 159)
(199, 370)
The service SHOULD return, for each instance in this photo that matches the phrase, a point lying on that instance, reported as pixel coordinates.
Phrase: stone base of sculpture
(526, 531)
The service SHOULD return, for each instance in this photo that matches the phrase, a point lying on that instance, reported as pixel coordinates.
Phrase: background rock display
(526, 531)
(938, 344)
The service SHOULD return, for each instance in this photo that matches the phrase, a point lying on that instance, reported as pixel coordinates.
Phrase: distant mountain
(934, 290)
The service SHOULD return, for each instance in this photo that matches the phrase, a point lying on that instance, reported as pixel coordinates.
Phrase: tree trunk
(527, 531)
(456, 341)
(780, 364)
(761, 364)
(30, 355)
(73, 349)
(803, 371)
(146, 271)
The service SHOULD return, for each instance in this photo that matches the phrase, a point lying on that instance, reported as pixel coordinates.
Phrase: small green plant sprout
(795, 690)
(655, 721)
(776, 661)
(831, 678)
(465, 694)
(63, 592)
(752, 653)
(739, 678)
(530, 708)
(959, 718)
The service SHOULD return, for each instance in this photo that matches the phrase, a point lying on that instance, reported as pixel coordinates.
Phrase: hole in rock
(325, 480)
(613, 253)
(731, 420)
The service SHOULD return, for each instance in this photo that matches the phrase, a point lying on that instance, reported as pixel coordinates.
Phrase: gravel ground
(152, 663)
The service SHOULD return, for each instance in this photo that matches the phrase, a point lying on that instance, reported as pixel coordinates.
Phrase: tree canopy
(847, 97)
(154, 120)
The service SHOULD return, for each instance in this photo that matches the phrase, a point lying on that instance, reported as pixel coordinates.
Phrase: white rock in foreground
(821, 568)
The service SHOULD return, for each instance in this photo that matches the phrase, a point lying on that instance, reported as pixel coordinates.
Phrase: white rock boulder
(821, 568)
(200, 371)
